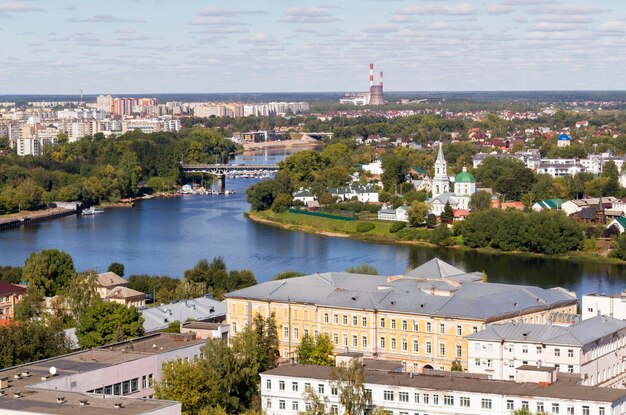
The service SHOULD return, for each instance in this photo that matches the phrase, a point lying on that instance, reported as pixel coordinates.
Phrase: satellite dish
(53, 370)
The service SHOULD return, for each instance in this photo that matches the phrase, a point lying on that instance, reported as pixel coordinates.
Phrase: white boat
(92, 211)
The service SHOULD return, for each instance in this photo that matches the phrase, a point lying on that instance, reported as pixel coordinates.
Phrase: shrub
(365, 227)
(397, 226)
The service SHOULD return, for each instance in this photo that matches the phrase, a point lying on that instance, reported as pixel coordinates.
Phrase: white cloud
(500, 9)
(613, 27)
(218, 11)
(104, 18)
(460, 9)
(320, 14)
(18, 7)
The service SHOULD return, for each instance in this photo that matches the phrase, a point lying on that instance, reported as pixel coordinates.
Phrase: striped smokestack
(371, 75)
(381, 79)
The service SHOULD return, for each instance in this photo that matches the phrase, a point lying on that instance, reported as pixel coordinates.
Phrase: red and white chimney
(371, 75)
(381, 79)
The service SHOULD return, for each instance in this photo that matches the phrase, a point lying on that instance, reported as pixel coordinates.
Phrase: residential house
(10, 295)
(304, 195)
(590, 215)
(618, 223)
(400, 214)
(548, 204)
(363, 193)
(575, 205)
(601, 304)
(594, 349)
(419, 319)
(113, 288)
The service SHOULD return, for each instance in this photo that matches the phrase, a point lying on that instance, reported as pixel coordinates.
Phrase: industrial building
(373, 97)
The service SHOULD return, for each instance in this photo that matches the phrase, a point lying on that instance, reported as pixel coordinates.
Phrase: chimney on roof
(61, 399)
(83, 402)
(118, 405)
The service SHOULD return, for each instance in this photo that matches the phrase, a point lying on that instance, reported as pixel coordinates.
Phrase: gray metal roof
(581, 334)
(464, 298)
(435, 268)
(202, 308)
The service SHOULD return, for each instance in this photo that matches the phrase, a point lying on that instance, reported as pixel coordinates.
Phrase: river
(167, 236)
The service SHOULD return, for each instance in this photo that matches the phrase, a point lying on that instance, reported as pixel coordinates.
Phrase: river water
(167, 236)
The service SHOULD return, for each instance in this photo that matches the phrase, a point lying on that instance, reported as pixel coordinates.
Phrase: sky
(206, 46)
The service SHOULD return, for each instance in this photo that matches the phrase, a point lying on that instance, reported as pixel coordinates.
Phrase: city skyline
(62, 47)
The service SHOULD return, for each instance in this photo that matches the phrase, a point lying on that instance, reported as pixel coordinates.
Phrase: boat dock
(28, 217)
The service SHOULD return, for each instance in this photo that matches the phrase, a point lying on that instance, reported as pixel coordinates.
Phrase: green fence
(321, 215)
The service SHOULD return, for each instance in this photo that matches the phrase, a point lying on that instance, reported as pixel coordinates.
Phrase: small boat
(92, 211)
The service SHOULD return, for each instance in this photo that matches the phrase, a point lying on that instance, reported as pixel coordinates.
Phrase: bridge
(222, 171)
(229, 169)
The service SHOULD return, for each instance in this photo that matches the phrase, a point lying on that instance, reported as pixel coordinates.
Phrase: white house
(595, 349)
(363, 193)
(304, 195)
(400, 214)
(576, 205)
(610, 305)
(441, 393)
(375, 167)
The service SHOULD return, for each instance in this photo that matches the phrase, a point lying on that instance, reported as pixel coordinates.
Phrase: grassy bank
(381, 234)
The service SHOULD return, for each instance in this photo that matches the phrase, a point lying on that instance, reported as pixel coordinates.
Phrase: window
(355, 321)
(459, 350)
(459, 330)
(465, 401)
(555, 408)
(306, 332)
(585, 410)
(364, 321)
(393, 343)
(570, 369)
(477, 362)
(268, 384)
(525, 349)
(570, 410)
(281, 404)
(539, 349)
(509, 405)
(294, 386)
(345, 339)
(388, 395)
(326, 318)
(308, 406)
(144, 382)
(416, 397)
(382, 322)
(403, 396)
(510, 348)
(442, 328)
(429, 327)
(435, 399)
(334, 410)
(345, 320)
(335, 318)
(405, 325)
(570, 353)
(601, 410)
(525, 405)
(414, 367)
(415, 326)
(382, 342)
(335, 338)
(485, 403)
(150, 380)
(296, 333)
(405, 345)
(393, 323)
(511, 363)
(355, 340)
(426, 398)
(234, 327)
(320, 389)
(448, 400)
(429, 347)
(364, 342)
(281, 385)
(333, 390)
(557, 352)
(474, 329)
(442, 349)
(316, 333)
(286, 333)
(294, 405)
(307, 387)
(368, 395)
(416, 346)
(540, 407)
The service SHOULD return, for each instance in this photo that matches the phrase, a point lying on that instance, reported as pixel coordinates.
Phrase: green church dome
(464, 177)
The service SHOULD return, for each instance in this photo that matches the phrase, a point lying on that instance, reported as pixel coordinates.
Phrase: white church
(464, 187)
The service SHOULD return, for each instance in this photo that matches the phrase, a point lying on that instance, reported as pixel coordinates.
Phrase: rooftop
(8, 288)
(201, 308)
(110, 279)
(561, 389)
(436, 288)
(580, 334)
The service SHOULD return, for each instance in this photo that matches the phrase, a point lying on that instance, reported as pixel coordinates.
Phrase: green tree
(480, 200)
(440, 235)
(104, 323)
(417, 213)
(363, 269)
(261, 195)
(314, 403)
(117, 268)
(11, 274)
(188, 383)
(81, 293)
(349, 379)
(395, 169)
(49, 270)
(282, 203)
(431, 220)
(447, 215)
(456, 366)
(29, 342)
(316, 351)
(620, 249)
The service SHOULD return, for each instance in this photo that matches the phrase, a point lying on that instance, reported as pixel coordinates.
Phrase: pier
(25, 218)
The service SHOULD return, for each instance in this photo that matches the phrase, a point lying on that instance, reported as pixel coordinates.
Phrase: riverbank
(380, 234)
(22, 218)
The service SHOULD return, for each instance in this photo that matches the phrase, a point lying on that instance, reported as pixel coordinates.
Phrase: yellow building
(420, 319)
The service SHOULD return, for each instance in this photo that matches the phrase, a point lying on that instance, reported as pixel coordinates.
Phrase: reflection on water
(167, 236)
